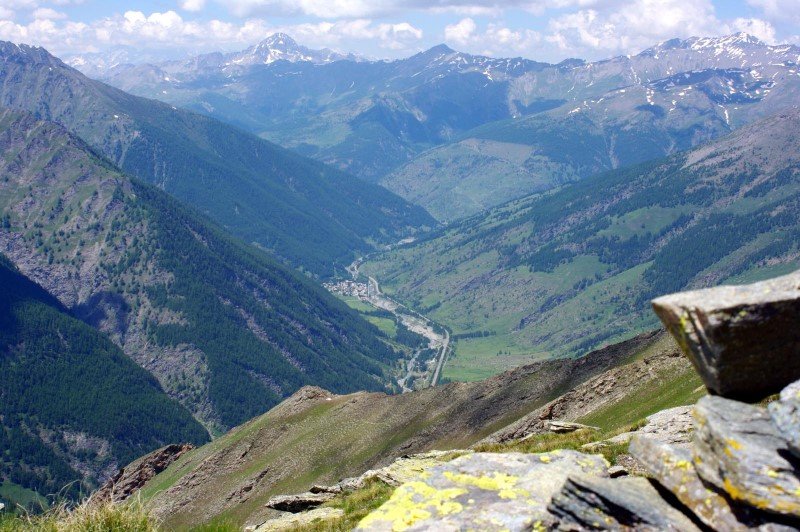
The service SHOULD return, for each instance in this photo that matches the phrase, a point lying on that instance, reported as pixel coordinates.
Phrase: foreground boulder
(738, 336)
(785, 414)
(483, 491)
(739, 450)
(672, 468)
(297, 521)
(591, 503)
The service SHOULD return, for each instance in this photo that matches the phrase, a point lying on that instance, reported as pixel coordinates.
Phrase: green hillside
(575, 268)
(305, 212)
(74, 408)
(225, 328)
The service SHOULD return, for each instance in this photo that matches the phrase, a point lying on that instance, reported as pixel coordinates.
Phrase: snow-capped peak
(281, 47)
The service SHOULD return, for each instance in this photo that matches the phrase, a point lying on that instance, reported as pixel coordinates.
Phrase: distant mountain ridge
(378, 119)
(304, 212)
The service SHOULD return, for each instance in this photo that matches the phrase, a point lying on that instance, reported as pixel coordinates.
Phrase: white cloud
(755, 27)
(778, 10)
(193, 5)
(631, 26)
(495, 40)
(46, 13)
(461, 32)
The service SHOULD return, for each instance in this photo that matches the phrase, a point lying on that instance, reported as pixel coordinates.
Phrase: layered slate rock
(739, 450)
(672, 467)
(483, 491)
(673, 425)
(737, 336)
(785, 414)
(592, 503)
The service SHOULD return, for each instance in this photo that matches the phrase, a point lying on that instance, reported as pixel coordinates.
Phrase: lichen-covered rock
(300, 520)
(672, 467)
(404, 469)
(299, 502)
(628, 503)
(483, 491)
(737, 336)
(785, 414)
(738, 449)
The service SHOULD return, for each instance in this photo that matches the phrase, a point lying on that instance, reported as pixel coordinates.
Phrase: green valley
(574, 268)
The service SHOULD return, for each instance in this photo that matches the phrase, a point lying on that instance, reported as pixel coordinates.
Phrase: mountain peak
(279, 41)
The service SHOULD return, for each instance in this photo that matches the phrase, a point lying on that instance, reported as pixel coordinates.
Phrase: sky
(544, 30)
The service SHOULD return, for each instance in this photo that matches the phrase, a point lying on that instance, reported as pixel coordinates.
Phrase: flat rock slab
(564, 427)
(738, 449)
(403, 469)
(300, 520)
(299, 502)
(627, 503)
(483, 491)
(672, 467)
(736, 336)
(785, 414)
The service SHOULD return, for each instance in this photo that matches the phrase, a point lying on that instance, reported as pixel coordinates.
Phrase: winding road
(412, 319)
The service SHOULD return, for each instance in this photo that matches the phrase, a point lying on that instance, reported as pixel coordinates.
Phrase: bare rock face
(483, 491)
(627, 503)
(739, 450)
(785, 414)
(737, 336)
(132, 477)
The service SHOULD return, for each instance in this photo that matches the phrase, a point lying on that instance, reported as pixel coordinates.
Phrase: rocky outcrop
(673, 425)
(738, 336)
(135, 475)
(483, 491)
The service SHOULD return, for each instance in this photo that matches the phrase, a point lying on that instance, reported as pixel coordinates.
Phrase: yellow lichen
(502, 483)
(413, 502)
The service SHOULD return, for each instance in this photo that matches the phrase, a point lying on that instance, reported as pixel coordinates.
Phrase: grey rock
(564, 427)
(317, 488)
(483, 491)
(299, 502)
(673, 425)
(591, 503)
(672, 467)
(738, 449)
(299, 520)
(785, 414)
(617, 471)
(736, 336)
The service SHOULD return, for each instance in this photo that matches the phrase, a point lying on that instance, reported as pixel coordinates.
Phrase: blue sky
(547, 30)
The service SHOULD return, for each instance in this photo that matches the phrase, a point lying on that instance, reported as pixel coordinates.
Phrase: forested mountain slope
(73, 407)
(307, 213)
(225, 328)
(576, 267)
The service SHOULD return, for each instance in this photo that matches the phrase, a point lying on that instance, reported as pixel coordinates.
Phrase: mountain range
(304, 212)
(458, 133)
